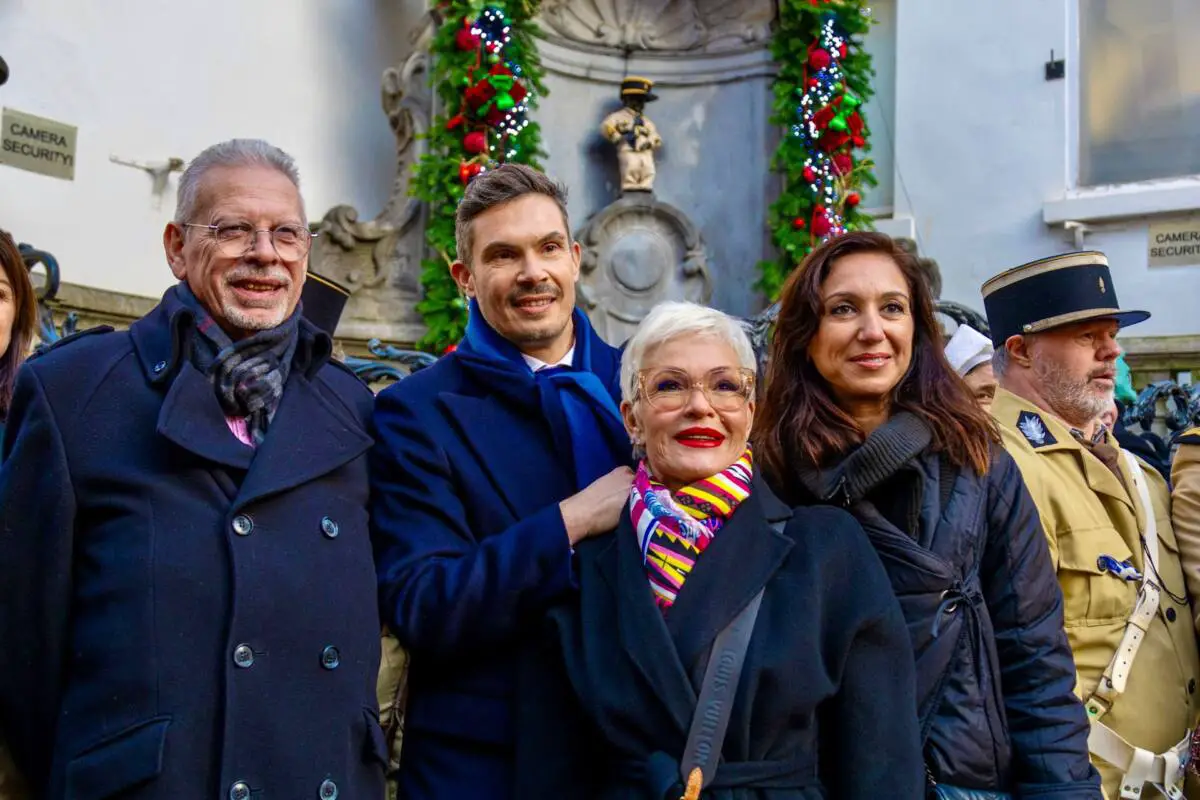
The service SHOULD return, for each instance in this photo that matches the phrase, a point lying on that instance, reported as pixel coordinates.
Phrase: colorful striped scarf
(675, 528)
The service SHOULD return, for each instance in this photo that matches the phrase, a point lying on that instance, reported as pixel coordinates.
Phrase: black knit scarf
(888, 448)
(249, 374)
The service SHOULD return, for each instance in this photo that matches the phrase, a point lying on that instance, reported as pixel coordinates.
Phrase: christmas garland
(487, 76)
(824, 78)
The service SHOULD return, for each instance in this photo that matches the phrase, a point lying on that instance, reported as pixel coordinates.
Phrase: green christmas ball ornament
(493, 58)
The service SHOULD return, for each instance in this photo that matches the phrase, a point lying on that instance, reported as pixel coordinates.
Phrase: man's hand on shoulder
(597, 509)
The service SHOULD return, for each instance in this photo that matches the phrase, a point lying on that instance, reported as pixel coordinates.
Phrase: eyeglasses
(291, 242)
(670, 389)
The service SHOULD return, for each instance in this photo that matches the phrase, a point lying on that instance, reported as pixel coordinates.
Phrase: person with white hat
(970, 354)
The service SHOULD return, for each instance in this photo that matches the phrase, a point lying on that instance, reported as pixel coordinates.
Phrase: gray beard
(1072, 400)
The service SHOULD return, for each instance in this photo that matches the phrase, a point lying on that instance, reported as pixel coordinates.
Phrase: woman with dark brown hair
(862, 410)
(18, 314)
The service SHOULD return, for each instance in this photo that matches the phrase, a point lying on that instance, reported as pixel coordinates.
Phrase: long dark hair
(799, 421)
(25, 306)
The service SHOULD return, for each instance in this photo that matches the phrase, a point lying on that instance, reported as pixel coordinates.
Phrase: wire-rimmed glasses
(291, 242)
(670, 388)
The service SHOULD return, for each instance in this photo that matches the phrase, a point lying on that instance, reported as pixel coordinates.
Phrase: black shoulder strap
(721, 676)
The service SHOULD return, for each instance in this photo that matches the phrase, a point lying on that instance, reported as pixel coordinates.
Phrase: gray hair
(496, 187)
(999, 361)
(233, 153)
(673, 320)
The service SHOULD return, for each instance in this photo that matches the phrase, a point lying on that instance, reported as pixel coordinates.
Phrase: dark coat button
(243, 656)
(328, 790)
(239, 791)
(330, 657)
(242, 525)
(329, 527)
(160, 366)
(1170, 615)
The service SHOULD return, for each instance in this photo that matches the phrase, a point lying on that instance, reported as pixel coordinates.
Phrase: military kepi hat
(1049, 292)
(322, 301)
(634, 86)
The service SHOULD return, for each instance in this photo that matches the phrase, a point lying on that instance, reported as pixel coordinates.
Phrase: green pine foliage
(798, 32)
(437, 179)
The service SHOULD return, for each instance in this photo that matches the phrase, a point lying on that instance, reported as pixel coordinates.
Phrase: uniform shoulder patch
(43, 349)
(1033, 428)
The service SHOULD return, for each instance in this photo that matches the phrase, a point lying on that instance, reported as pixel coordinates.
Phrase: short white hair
(233, 153)
(672, 320)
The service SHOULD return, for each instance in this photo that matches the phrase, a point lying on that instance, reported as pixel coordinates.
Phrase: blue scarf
(580, 404)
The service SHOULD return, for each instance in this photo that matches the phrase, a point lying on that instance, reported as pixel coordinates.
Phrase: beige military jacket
(1086, 513)
(1185, 509)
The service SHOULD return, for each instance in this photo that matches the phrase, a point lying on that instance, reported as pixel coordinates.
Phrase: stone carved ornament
(708, 25)
(379, 260)
(638, 252)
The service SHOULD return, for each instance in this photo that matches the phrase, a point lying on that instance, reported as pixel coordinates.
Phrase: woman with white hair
(721, 642)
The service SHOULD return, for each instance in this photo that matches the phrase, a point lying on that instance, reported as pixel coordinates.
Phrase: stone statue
(634, 135)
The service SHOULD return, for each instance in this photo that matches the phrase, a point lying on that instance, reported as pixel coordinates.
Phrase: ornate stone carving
(379, 259)
(709, 25)
(638, 252)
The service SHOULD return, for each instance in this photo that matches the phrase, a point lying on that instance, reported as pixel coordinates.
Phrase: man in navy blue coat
(187, 588)
(488, 467)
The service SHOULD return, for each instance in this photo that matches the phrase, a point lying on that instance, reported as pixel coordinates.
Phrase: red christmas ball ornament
(843, 163)
(468, 170)
(450, 348)
(821, 225)
(475, 142)
(819, 59)
(813, 83)
(853, 199)
(798, 223)
(465, 40)
(809, 175)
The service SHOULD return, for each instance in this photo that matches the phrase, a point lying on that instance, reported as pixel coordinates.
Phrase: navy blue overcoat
(186, 617)
(471, 551)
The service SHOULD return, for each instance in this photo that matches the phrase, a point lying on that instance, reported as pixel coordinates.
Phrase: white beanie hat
(967, 349)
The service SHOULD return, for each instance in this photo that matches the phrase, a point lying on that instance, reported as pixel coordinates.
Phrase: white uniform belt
(1165, 771)
(1112, 682)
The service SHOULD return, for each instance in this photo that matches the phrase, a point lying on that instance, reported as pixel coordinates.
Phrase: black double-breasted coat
(186, 617)
(825, 707)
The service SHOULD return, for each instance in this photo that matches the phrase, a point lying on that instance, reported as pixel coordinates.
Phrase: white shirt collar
(537, 364)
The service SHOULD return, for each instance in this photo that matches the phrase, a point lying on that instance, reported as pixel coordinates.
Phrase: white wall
(983, 141)
(146, 80)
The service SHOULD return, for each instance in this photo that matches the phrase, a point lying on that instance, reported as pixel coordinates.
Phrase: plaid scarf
(674, 529)
(249, 374)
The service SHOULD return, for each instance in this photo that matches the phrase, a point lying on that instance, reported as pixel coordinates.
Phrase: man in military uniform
(1107, 518)
(1185, 506)
(634, 135)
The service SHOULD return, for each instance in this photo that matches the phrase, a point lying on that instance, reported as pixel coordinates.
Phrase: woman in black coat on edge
(862, 410)
(824, 707)
(18, 315)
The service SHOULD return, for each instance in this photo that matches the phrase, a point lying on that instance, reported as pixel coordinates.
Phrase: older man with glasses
(187, 583)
